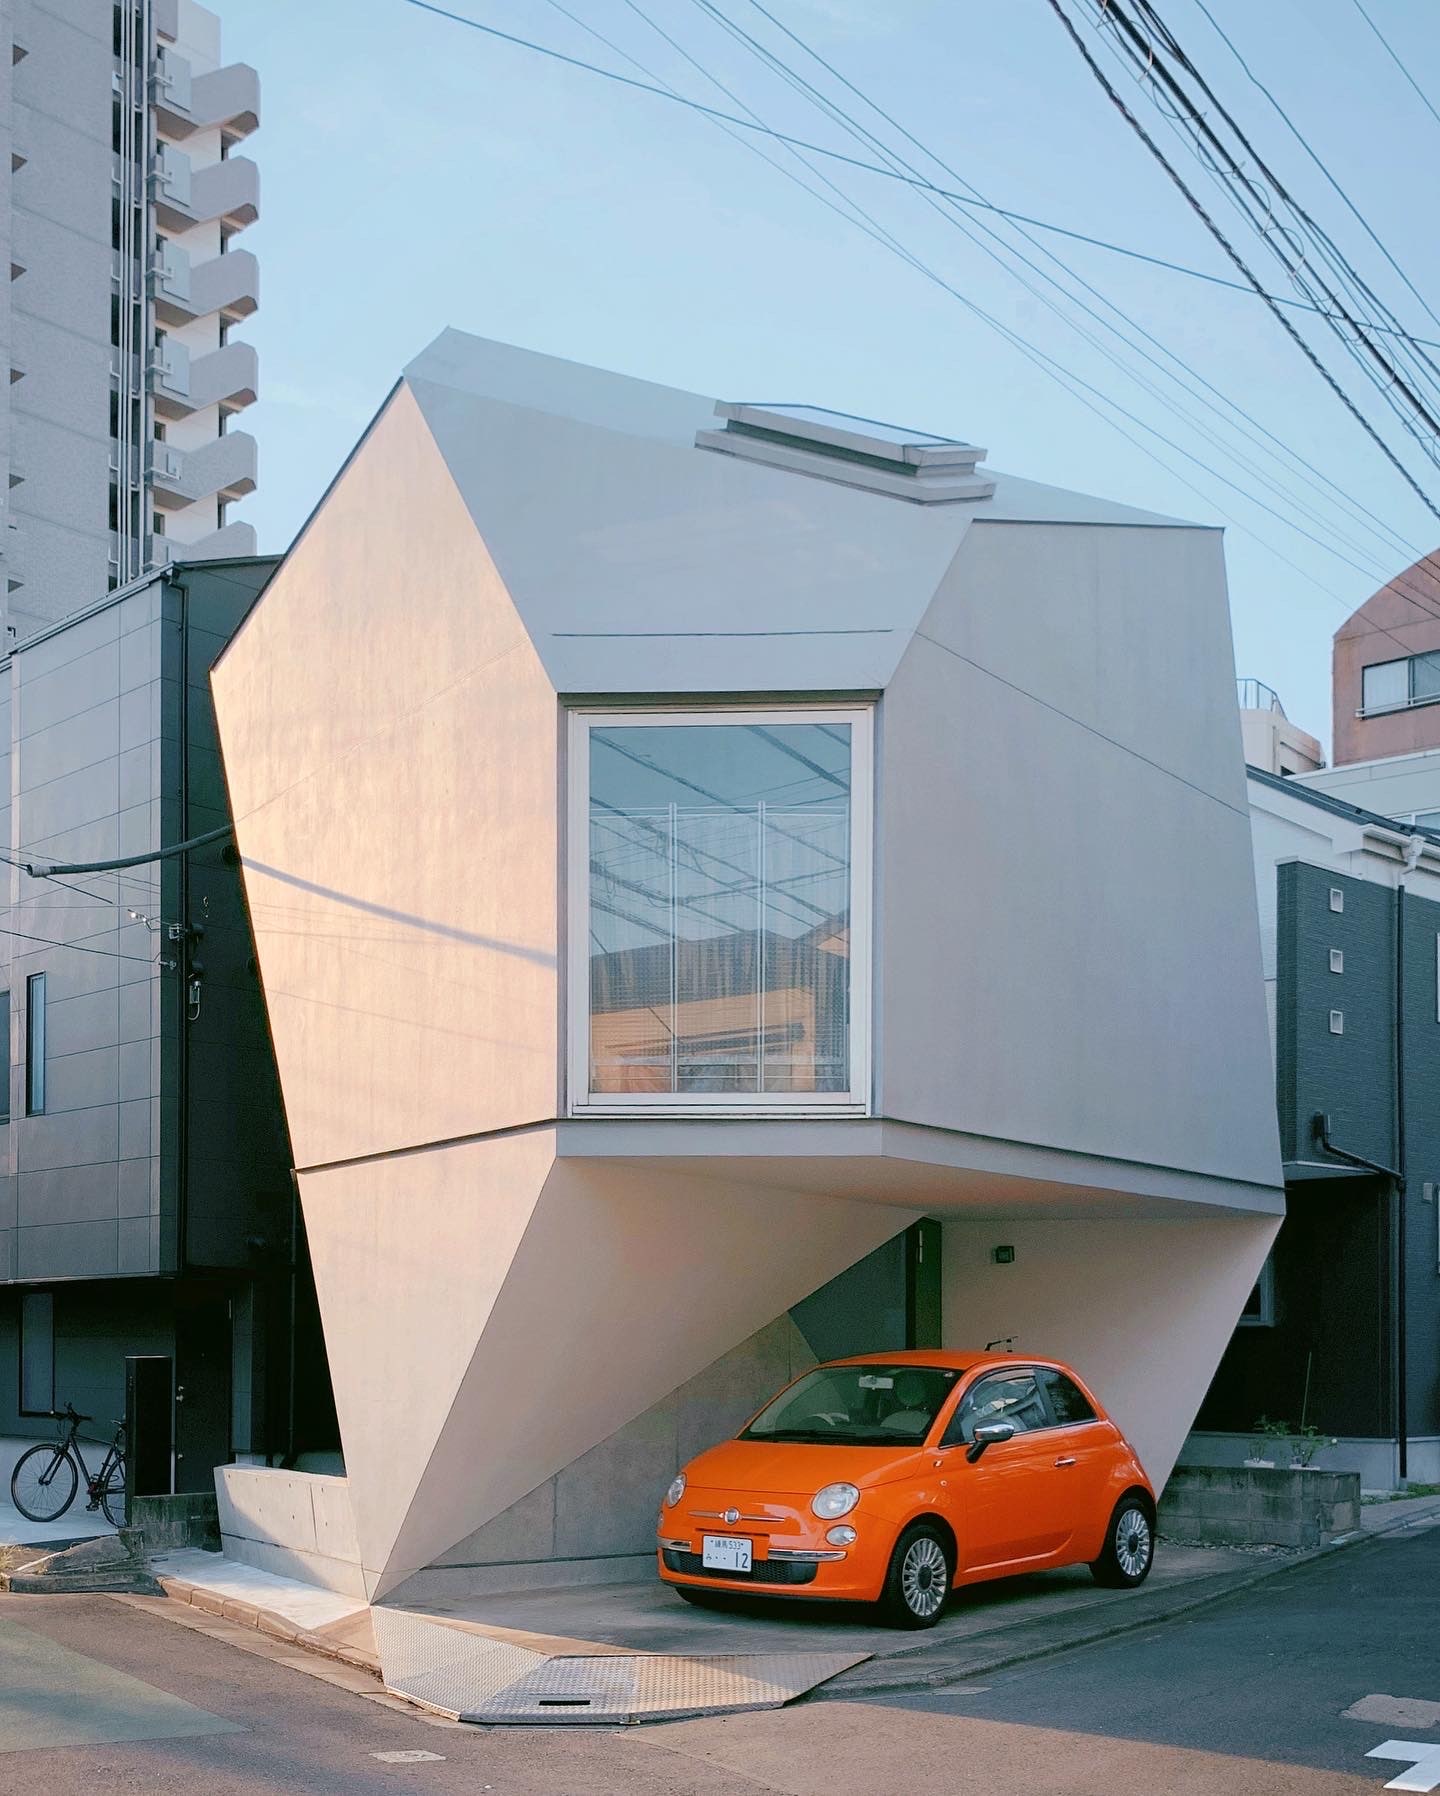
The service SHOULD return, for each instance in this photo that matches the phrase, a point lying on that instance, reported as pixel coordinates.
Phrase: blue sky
(416, 174)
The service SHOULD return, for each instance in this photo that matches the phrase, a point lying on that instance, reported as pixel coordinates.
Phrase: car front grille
(763, 1571)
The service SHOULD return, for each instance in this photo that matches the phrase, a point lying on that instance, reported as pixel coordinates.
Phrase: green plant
(1303, 1442)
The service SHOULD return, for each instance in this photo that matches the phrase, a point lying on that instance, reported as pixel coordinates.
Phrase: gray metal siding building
(147, 1200)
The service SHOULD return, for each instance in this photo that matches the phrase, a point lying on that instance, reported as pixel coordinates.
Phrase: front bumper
(791, 1556)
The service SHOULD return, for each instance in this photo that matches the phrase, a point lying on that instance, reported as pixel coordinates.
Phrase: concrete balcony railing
(184, 101)
(181, 384)
(224, 468)
(227, 376)
(231, 539)
(186, 196)
(229, 284)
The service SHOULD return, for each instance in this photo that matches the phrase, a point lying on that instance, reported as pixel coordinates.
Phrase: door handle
(1060, 1462)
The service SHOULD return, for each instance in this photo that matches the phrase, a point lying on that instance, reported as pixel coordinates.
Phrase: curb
(268, 1622)
(970, 1659)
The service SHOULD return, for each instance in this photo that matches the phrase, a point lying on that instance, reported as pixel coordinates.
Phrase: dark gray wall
(1335, 1259)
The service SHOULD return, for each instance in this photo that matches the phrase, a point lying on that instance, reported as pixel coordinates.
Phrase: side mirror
(989, 1434)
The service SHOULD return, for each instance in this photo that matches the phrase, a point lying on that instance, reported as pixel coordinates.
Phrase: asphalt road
(1244, 1697)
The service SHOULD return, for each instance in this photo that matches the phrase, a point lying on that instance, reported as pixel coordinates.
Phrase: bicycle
(45, 1478)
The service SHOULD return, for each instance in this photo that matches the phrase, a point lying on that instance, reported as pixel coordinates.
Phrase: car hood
(793, 1468)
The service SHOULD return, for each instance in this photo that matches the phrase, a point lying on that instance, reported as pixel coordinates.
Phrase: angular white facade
(1005, 970)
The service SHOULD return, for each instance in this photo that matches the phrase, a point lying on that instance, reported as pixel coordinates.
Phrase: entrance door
(202, 1386)
(1011, 1504)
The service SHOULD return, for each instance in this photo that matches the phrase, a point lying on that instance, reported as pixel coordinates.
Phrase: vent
(880, 458)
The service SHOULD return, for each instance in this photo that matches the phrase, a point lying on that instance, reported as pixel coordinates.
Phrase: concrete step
(108, 1562)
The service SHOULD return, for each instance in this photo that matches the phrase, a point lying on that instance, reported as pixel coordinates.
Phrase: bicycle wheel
(112, 1497)
(43, 1483)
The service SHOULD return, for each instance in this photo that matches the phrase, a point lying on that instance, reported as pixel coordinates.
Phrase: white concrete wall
(390, 744)
(297, 1524)
(1141, 1309)
(1068, 948)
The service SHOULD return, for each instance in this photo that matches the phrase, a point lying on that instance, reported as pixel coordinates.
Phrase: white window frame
(854, 1102)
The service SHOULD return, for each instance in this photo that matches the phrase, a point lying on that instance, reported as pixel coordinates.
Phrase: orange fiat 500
(893, 1478)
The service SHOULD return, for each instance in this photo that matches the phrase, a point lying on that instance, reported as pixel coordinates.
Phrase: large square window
(719, 910)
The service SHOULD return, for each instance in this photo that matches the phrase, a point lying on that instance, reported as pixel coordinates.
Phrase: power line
(78, 947)
(1193, 200)
(1063, 377)
(1249, 290)
(1420, 92)
(838, 115)
(1245, 193)
(1324, 170)
(1327, 489)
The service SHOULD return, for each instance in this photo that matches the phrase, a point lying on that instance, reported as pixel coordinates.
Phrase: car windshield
(872, 1406)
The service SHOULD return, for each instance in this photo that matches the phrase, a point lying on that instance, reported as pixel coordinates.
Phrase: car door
(1011, 1503)
(1085, 1452)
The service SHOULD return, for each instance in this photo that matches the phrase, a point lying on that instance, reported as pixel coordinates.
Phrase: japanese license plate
(723, 1552)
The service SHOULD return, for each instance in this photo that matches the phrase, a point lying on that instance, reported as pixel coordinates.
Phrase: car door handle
(1064, 1462)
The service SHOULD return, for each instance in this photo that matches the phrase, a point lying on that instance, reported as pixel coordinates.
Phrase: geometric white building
(684, 851)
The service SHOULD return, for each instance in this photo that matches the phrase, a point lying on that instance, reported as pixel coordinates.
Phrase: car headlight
(677, 1490)
(834, 1501)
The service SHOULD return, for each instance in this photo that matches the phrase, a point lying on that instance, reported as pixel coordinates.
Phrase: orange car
(895, 1477)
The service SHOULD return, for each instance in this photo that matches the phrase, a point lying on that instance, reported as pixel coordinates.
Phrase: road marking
(1394, 1711)
(1422, 1755)
(414, 1757)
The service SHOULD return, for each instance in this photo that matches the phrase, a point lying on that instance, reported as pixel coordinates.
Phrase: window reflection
(720, 908)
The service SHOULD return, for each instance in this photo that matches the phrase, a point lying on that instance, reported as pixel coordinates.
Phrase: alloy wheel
(1133, 1544)
(924, 1577)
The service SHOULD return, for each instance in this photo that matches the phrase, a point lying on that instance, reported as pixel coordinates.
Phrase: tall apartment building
(120, 200)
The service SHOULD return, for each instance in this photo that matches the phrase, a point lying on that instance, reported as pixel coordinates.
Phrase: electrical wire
(838, 115)
(1073, 384)
(1194, 202)
(1420, 92)
(1316, 159)
(874, 168)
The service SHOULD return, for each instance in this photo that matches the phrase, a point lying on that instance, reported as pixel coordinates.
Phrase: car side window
(1068, 1403)
(1001, 1397)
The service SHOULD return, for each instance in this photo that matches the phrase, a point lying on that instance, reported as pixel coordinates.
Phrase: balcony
(180, 477)
(217, 545)
(228, 190)
(227, 376)
(185, 102)
(182, 292)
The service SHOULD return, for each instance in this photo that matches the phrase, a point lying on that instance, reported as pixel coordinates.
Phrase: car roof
(947, 1359)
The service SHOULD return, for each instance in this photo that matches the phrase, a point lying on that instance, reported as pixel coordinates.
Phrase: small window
(1259, 1311)
(1337, 960)
(1424, 677)
(35, 1045)
(1386, 686)
(37, 1353)
(1068, 1403)
(1003, 1397)
(1337, 1022)
(1337, 898)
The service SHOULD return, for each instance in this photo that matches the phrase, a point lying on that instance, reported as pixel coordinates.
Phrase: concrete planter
(1260, 1506)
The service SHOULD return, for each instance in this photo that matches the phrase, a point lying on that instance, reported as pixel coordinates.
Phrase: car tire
(701, 1599)
(921, 1573)
(1129, 1550)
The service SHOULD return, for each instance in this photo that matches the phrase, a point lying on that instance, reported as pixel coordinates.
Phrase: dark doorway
(202, 1386)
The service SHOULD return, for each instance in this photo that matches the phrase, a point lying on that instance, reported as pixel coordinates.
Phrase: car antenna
(1005, 1341)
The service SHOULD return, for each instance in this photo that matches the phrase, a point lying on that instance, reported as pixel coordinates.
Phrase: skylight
(881, 458)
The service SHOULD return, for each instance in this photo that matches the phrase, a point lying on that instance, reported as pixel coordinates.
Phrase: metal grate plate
(449, 1669)
(657, 1687)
